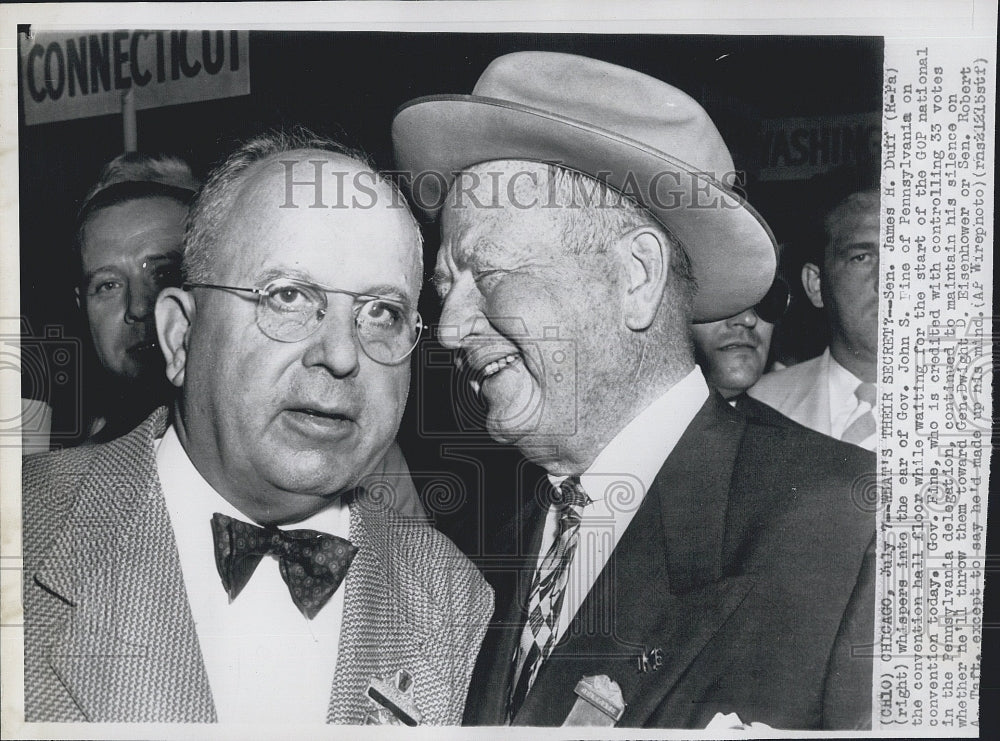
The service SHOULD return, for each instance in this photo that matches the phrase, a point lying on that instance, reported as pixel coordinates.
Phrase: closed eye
(484, 276)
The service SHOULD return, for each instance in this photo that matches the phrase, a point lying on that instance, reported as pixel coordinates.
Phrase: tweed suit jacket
(801, 392)
(746, 565)
(108, 630)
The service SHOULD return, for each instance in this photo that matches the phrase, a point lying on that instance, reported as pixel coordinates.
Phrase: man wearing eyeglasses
(733, 352)
(236, 559)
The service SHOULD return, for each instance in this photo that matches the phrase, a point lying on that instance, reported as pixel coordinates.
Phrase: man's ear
(175, 310)
(812, 284)
(647, 258)
(76, 293)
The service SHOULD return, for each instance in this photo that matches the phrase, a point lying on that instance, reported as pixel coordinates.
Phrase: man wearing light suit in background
(688, 561)
(162, 582)
(835, 393)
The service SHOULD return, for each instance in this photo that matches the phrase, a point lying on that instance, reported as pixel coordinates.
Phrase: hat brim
(731, 248)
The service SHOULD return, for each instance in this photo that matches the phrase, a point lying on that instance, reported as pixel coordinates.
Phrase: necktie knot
(312, 564)
(570, 500)
(866, 392)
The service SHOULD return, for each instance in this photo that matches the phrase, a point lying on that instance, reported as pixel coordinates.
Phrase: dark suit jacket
(108, 631)
(748, 563)
(762, 412)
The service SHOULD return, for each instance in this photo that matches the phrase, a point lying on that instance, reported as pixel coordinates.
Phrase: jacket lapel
(693, 493)
(378, 635)
(664, 586)
(128, 651)
(515, 554)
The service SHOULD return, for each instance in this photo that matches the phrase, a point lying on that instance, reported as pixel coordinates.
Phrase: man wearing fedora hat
(683, 560)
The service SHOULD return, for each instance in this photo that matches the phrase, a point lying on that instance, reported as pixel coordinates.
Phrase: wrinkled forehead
(855, 220)
(499, 208)
(133, 227)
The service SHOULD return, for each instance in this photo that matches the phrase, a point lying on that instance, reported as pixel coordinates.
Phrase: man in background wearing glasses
(733, 352)
(148, 597)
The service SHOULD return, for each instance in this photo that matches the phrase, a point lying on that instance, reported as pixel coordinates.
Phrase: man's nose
(747, 318)
(459, 315)
(334, 345)
(140, 301)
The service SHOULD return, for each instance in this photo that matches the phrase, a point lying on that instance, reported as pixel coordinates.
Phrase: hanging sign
(66, 75)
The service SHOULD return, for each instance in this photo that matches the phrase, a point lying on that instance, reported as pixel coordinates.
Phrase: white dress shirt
(845, 407)
(265, 661)
(617, 482)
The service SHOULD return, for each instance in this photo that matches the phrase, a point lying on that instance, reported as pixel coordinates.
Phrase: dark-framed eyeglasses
(775, 302)
(289, 310)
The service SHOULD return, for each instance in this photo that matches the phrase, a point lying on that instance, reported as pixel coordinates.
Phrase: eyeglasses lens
(289, 312)
(772, 307)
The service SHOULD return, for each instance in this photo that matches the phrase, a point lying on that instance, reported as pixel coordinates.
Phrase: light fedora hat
(635, 133)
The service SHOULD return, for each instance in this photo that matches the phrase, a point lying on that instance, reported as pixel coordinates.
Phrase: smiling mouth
(493, 368)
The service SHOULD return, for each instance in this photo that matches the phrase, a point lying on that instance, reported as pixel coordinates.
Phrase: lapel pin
(651, 660)
(392, 701)
(599, 702)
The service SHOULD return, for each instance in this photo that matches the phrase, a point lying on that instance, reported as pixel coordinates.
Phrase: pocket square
(732, 722)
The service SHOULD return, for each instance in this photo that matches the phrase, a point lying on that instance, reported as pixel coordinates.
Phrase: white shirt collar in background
(844, 404)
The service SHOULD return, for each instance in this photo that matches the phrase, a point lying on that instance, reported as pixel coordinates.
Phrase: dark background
(347, 85)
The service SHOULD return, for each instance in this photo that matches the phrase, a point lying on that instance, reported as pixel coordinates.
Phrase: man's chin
(310, 487)
(319, 469)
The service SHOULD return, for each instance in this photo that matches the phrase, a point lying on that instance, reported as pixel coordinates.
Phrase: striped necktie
(546, 595)
(864, 426)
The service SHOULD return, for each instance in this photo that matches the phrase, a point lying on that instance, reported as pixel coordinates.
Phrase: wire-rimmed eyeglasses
(289, 310)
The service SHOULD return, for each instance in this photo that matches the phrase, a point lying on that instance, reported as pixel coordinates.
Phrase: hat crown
(625, 103)
(640, 136)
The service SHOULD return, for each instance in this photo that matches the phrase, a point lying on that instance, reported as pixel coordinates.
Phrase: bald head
(292, 171)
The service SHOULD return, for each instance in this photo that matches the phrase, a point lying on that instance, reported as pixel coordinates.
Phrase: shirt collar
(843, 384)
(630, 462)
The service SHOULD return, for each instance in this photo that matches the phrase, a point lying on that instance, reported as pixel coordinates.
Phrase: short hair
(132, 176)
(835, 192)
(862, 202)
(216, 198)
(604, 214)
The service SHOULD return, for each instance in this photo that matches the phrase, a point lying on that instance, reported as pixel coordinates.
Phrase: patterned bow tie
(312, 563)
